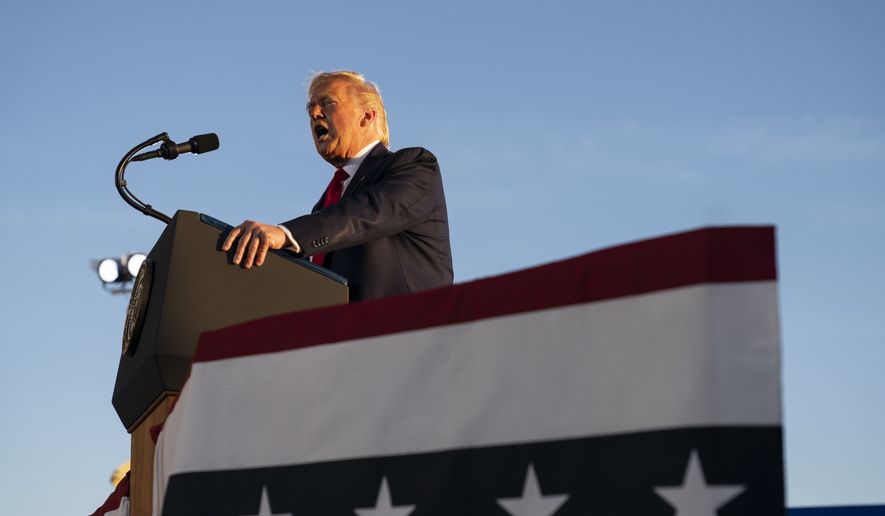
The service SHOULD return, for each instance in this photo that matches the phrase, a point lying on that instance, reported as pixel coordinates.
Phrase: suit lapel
(319, 205)
(368, 167)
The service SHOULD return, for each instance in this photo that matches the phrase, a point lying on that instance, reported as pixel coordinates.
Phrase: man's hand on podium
(255, 239)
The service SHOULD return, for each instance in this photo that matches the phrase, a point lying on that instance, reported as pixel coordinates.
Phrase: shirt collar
(354, 164)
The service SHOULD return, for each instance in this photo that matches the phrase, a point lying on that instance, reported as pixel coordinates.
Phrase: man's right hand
(255, 239)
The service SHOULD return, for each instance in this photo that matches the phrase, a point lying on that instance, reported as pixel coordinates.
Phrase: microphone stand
(120, 181)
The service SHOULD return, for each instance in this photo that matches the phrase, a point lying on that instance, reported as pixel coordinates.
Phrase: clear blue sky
(561, 127)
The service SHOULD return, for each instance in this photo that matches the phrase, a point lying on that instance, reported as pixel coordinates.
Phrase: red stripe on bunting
(114, 499)
(708, 255)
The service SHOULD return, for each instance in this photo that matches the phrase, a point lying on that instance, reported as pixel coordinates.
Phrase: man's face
(338, 125)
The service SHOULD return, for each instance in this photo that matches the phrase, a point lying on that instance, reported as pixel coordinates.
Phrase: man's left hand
(255, 239)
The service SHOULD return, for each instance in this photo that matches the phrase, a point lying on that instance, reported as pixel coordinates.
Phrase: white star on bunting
(383, 505)
(264, 507)
(695, 497)
(532, 502)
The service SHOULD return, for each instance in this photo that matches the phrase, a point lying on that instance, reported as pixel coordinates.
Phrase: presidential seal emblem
(138, 302)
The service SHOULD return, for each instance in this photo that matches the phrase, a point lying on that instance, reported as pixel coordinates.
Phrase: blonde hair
(366, 92)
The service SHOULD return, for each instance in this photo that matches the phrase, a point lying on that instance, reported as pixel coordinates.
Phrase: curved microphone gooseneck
(168, 150)
(120, 181)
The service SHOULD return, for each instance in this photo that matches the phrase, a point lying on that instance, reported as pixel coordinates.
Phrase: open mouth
(320, 132)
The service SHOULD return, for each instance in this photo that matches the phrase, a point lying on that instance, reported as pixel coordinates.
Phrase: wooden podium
(185, 287)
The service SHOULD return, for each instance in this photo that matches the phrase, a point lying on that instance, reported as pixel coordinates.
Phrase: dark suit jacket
(390, 233)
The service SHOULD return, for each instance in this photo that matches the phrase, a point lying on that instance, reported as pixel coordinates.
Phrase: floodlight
(118, 274)
(133, 263)
(109, 270)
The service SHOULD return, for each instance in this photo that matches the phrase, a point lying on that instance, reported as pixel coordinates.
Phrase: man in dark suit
(382, 221)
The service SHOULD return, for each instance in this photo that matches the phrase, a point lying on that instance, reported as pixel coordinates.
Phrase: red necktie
(331, 198)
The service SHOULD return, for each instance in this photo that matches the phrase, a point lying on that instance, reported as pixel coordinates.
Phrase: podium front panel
(193, 287)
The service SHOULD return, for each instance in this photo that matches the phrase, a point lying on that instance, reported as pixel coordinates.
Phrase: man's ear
(368, 118)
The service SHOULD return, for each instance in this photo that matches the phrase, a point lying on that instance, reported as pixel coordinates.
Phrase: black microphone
(170, 150)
